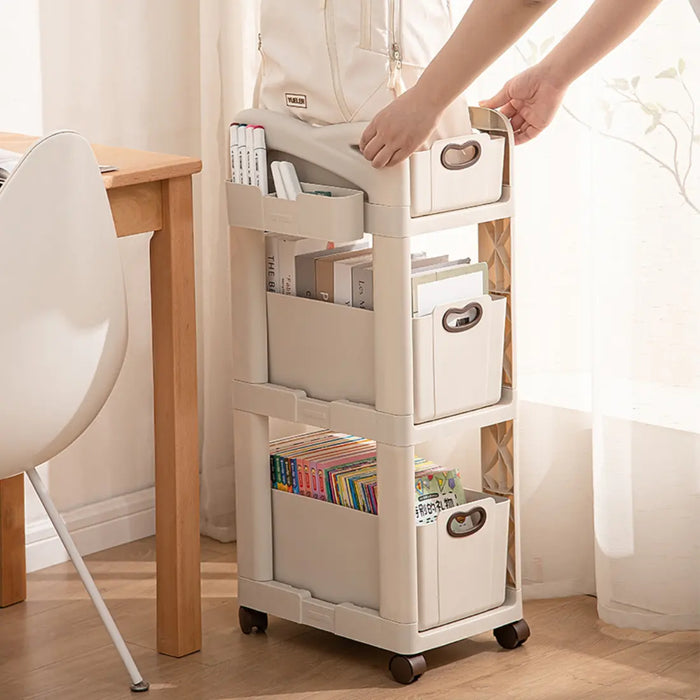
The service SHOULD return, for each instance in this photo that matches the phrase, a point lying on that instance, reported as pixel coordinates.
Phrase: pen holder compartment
(461, 557)
(338, 218)
(457, 173)
(325, 349)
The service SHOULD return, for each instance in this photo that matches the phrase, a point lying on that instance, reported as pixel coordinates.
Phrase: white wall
(103, 483)
(20, 67)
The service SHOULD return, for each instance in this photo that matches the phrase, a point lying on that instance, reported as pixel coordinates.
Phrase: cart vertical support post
(248, 305)
(393, 362)
(250, 431)
(253, 496)
(393, 344)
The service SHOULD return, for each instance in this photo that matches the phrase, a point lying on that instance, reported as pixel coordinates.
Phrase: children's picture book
(342, 469)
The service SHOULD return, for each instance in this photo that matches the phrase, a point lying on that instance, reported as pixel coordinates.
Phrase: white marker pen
(250, 152)
(291, 181)
(233, 145)
(277, 179)
(260, 159)
(242, 157)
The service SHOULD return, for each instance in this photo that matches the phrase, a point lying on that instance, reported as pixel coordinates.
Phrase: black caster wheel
(251, 619)
(407, 669)
(513, 635)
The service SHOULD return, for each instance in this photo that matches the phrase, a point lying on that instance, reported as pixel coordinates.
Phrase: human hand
(530, 100)
(399, 129)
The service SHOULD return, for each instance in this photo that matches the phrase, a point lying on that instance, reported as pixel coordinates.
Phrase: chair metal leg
(138, 684)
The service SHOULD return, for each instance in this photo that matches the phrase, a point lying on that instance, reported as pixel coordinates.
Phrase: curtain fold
(160, 75)
(607, 240)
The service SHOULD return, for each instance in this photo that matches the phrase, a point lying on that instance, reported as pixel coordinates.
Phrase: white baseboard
(622, 615)
(557, 589)
(95, 527)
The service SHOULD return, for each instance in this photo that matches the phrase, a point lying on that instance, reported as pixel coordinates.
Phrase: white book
(272, 263)
(342, 278)
(363, 278)
(454, 283)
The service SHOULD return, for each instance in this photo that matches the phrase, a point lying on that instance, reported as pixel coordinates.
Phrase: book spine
(324, 279)
(306, 276)
(342, 283)
(287, 272)
(294, 486)
(363, 287)
(273, 477)
(275, 471)
(300, 477)
(272, 263)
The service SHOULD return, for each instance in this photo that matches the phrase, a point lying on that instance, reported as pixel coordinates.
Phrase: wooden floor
(53, 646)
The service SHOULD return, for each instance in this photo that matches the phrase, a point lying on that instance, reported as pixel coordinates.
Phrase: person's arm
(488, 28)
(530, 100)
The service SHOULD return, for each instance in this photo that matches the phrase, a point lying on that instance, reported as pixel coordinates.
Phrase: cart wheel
(407, 669)
(251, 619)
(513, 635)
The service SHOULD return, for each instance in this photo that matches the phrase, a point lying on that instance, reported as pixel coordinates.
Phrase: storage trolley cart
(382, 375)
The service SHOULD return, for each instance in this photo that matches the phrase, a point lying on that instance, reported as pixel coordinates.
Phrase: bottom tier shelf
(366, 625)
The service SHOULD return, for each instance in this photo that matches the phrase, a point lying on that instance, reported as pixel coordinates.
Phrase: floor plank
(53, 647)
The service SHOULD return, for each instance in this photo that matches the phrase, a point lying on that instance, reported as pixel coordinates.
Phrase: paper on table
(9, 160)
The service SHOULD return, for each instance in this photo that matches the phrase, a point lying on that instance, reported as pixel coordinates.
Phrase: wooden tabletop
(134, 167)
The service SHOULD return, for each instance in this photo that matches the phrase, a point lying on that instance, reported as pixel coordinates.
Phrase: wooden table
(149, 192)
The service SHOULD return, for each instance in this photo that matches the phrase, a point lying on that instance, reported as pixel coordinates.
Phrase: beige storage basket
(332, 552)
(325, 350)
(457, 174)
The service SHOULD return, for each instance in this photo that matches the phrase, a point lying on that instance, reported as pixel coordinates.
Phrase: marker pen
(291, 181)
(277, 179)
(242, 158)
(250, 152)
(260, 155)
(233, 145)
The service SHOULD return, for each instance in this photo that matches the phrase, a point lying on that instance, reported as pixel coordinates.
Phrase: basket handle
(458, 148)
(463, 524)
(457, 320)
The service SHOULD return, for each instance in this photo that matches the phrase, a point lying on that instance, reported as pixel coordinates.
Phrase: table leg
(13, 568)
(176, 424)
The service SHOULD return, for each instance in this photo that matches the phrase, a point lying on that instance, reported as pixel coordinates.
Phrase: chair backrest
(63, 321)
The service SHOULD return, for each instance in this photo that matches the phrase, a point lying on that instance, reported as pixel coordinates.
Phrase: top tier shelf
(329, 156)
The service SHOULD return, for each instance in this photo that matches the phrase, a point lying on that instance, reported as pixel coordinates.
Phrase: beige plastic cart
(377, 579)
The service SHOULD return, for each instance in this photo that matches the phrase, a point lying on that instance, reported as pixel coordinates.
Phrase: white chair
(63, 320)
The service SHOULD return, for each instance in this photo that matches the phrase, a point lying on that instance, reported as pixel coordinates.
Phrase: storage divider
(326, 350)
(332, 552)
(339, 217)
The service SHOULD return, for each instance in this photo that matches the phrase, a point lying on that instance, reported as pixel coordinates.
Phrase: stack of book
(307, 268)
(342, 469)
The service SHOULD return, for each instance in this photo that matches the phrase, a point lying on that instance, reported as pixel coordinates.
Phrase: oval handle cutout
(457, 320)
(457, 156)
(463, 524)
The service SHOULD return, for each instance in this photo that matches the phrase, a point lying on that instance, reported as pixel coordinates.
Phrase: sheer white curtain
(608, 263)
(161, 75)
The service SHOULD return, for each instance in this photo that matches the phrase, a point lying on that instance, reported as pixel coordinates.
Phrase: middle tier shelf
(360, 419)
